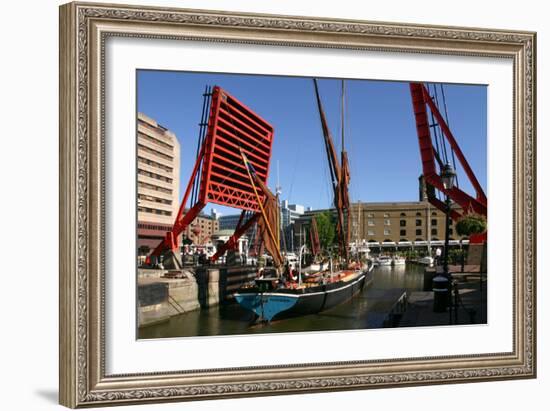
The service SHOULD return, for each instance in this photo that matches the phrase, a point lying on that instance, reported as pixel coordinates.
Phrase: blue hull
(266, 306)
(287, 303)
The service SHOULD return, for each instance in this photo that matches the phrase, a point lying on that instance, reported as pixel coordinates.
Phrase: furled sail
(314, 237)
(271, 208)
(340, 180)
(269, 220)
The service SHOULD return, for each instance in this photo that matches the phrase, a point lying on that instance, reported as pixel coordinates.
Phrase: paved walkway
(386, 304)
(472, 307)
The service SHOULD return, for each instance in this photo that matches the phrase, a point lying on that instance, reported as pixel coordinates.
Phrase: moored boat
(427, 260)
(290, 292)
(268, 301)
(384, 260)
(396, 260)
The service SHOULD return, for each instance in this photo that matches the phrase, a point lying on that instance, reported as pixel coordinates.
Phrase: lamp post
(448, 175)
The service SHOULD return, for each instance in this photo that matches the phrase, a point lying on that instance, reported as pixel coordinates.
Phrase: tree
(471, 224)
(326, 226)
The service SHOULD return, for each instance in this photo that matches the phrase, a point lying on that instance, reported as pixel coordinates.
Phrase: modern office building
(158, 170)
(229, 222)
(289, 214)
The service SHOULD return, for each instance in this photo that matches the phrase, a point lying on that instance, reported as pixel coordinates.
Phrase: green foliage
(326, 226)
(411, 254)
(456, 255)
(471, 224)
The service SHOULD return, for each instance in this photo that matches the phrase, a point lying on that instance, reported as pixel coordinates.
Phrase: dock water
(201, 305)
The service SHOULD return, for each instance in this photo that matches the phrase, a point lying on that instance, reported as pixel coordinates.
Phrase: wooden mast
(340, 178)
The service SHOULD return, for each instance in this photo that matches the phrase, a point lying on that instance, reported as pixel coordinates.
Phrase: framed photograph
(261, 205)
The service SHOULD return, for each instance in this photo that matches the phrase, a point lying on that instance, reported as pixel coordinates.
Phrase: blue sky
(380, 130)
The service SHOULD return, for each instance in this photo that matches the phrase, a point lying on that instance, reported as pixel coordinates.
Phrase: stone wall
(160, 298)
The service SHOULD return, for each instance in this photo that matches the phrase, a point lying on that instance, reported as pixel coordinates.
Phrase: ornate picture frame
(84, 29)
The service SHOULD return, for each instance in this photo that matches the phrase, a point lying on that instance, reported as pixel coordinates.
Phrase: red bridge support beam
(421, 102)
(232, 127)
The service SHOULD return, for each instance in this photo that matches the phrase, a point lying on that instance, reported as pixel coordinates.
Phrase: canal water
(231, 319)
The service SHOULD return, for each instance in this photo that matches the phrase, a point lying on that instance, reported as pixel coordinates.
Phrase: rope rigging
(447, 121)
(441, 153)
(203, 127)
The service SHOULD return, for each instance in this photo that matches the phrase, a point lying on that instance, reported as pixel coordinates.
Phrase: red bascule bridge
(228, 128)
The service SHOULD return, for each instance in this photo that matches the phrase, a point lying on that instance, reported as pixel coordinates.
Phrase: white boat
(383, 261)
(398, 261)
(429, 261)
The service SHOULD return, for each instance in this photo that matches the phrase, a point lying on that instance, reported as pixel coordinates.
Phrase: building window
(434, 214)
(450, 231)
(370, 232)
(418, 232)
(419, 214)
(403, 215)
(434, 221)
(370, 223)
(387, 222)
(386, 215)
(402, 232)
(386, 231)
(418, 223)
(403, 223)
(434, 231)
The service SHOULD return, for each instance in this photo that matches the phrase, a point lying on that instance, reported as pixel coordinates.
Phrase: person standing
(437, 255)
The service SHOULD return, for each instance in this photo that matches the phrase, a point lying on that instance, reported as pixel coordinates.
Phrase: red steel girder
(421, 102)
(239, 231)
(233, 127)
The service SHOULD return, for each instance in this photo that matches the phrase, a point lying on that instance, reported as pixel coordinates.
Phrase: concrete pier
(166, 293)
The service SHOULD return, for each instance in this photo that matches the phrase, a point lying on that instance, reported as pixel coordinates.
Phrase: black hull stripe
(309, 294)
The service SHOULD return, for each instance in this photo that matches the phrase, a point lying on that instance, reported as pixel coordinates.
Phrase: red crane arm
(421, 100)
(239, 231)
(455, 147)
(170, 241)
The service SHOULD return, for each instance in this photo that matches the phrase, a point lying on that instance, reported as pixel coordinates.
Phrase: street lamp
(448, 175)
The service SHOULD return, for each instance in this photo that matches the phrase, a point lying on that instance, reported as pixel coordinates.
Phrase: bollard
(441, 293)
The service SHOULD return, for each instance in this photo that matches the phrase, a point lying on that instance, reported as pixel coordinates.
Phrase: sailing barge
(282, 295)
(269, 302)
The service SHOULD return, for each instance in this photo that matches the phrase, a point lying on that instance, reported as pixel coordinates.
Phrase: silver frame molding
(84, 27)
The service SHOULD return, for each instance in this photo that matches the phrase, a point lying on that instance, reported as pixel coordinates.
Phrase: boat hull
(285, 303)
(384, 263)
